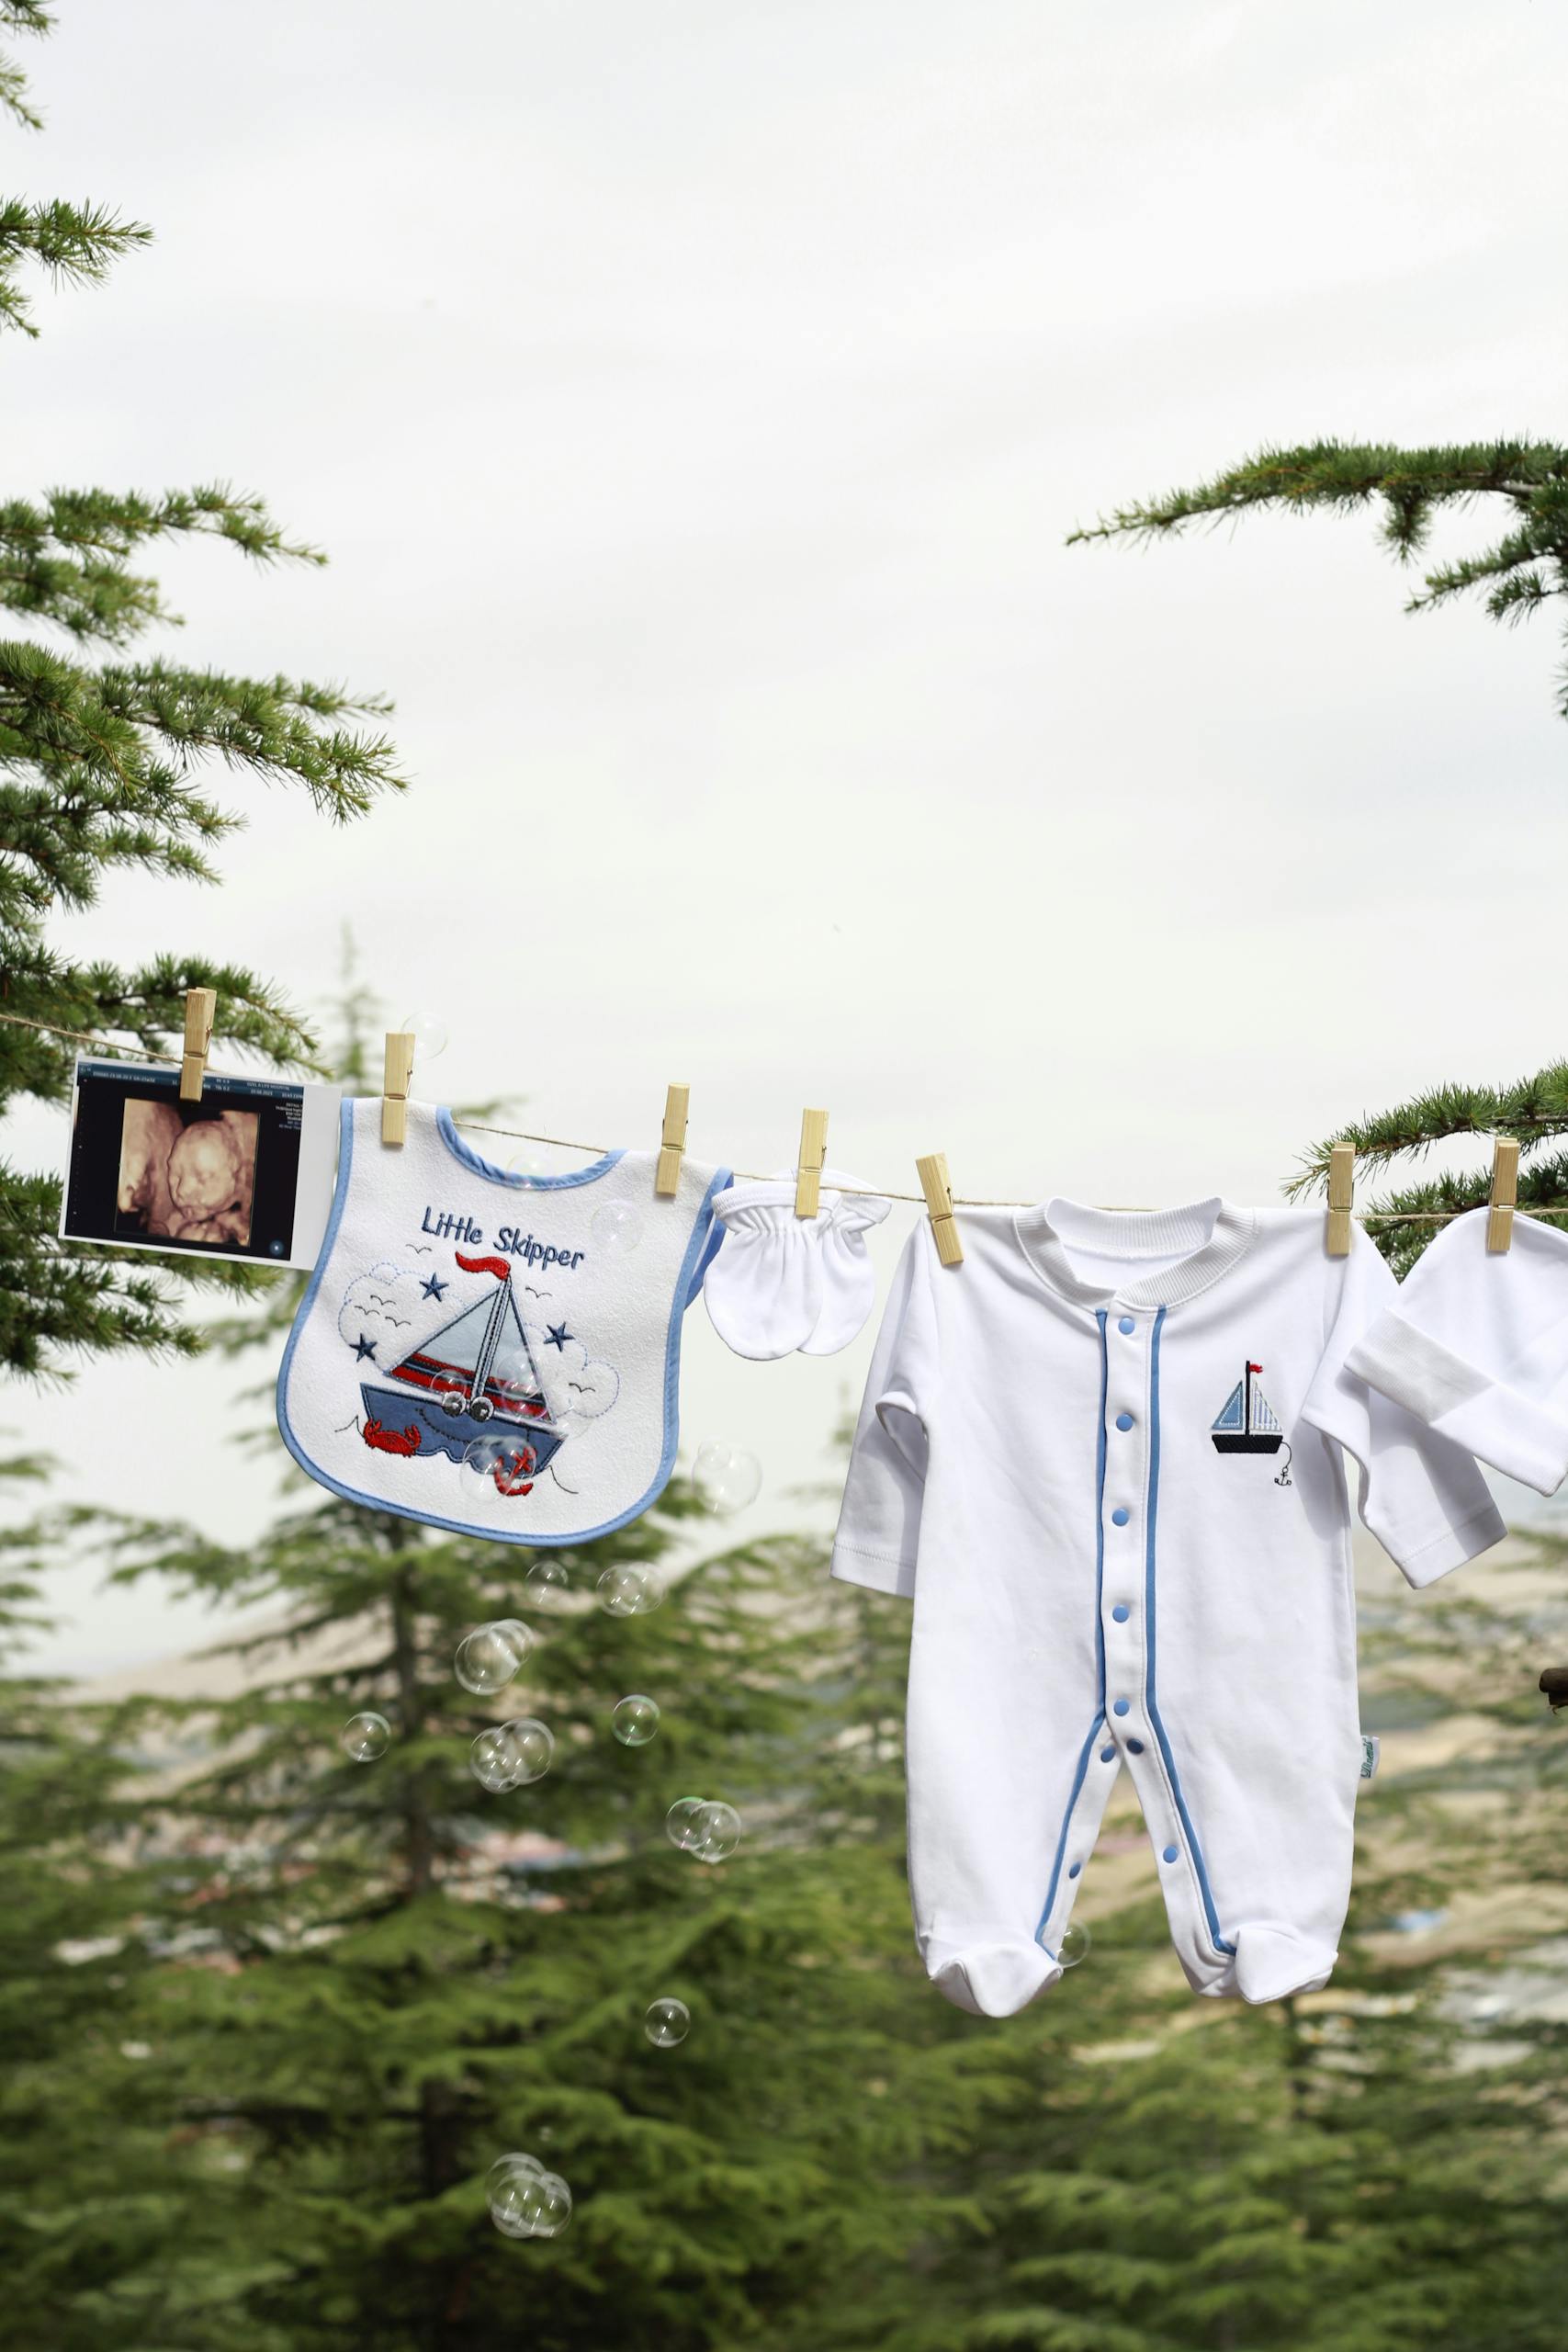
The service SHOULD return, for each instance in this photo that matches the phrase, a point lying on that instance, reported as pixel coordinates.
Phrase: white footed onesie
(1103, 1458)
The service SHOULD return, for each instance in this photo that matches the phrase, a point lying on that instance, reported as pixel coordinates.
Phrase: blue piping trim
(1151, 1707)
(680, 1300)
(1085, 1752)
(479, 1166)
(1100, 1511)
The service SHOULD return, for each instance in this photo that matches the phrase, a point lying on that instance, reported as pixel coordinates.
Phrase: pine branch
(76, 244)
(1527, 565)
(66, 561)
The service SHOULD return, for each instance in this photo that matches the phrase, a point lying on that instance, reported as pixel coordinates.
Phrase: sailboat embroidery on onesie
(495, 1354)
(1247, 1423)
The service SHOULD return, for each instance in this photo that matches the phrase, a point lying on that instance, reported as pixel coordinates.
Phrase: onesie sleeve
(879, 1522)
(1422, 1496)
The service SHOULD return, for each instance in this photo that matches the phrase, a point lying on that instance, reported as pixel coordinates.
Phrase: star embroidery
(557, 1335)
(363, 1347)
(435, 1287)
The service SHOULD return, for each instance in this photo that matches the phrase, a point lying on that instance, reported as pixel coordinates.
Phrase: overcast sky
(695, 400)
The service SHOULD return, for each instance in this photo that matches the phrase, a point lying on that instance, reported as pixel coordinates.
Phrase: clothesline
(749, 1176)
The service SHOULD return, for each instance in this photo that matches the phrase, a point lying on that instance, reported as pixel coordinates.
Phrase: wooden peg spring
(812, 1160)
(936, 1186)
(1341, 1198)
(1504, 1193)
(396, 1077)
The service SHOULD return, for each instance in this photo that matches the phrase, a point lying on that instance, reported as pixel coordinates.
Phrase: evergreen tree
(1525, 568)
(103, 766)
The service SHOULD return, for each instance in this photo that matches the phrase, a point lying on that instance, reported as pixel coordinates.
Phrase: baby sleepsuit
(1102, 1457)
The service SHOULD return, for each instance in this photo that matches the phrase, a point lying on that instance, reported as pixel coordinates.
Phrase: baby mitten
(848, 1277)
(782, 1281)
(1476, 1346)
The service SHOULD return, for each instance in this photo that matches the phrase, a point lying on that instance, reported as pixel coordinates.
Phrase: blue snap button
(1134, 1748)
(1121, 1612)
(1075, 1870)
(1121, 1707)
(1120, 1518)
(1123, 1420)
(1108, 1756)
(1171, 1852)
(1126, 1324)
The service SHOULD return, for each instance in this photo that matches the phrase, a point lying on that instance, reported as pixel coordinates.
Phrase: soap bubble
(364, 1737)
(547, 1581)
(667, 2024)
(617, 1227)
(549, 2204)
(634, 1720)
(679, 1820)
(716, 1832)
(1074, 1944)
(429, 1033)
(629, 1590)
(488, 1658)
(725, 1478)
(509, 2193)
(506, 1462)
(509, 1756)
(529, 1162)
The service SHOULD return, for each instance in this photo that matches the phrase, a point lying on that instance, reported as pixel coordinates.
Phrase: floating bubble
(629, 1590)
(617, 1227)
(509, 1756)
(549, 2204)
(529, 1162)
(667, 2024)
(635, 1719)
(491, 1655)
(365, 1737)
(506, 1459)
(679, 1820)
(547, 1581)
(725, 1478)
(429, 1033)
(1074, 1944)
(716, 1832)
(508, 2193)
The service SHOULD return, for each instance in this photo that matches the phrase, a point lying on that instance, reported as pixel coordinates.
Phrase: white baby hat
(1475, 1345)
(782, 1281)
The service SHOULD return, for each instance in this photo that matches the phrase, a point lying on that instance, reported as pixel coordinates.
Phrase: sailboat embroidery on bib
(471, 1390)
(1247, 1423)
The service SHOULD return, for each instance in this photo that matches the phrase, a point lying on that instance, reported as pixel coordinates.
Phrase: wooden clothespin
(936, 1186)
(812, 1160)
(397, 1076)
(672, 1142)
(1341, 1194)
(201, 1007)
(1504, 1193)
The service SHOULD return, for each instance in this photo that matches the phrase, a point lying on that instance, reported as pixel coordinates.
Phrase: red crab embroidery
(403, 1440)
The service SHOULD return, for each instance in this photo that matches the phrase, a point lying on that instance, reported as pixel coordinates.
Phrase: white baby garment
(497, 1354)
(1475, 1344)
(1102, 1457)
(784, 1282)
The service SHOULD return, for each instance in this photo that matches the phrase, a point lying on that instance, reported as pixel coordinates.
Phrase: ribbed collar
(1210, 1235)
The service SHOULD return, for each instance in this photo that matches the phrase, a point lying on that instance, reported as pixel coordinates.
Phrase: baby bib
(495, 1354)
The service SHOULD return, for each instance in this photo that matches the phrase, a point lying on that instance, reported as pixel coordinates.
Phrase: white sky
(694, 400)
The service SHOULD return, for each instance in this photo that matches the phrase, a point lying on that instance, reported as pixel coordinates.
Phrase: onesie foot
(1272, 1963)
(992, 1980)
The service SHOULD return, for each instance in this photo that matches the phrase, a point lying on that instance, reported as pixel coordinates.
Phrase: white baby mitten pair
(1476, 1346)
(782, 1281)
